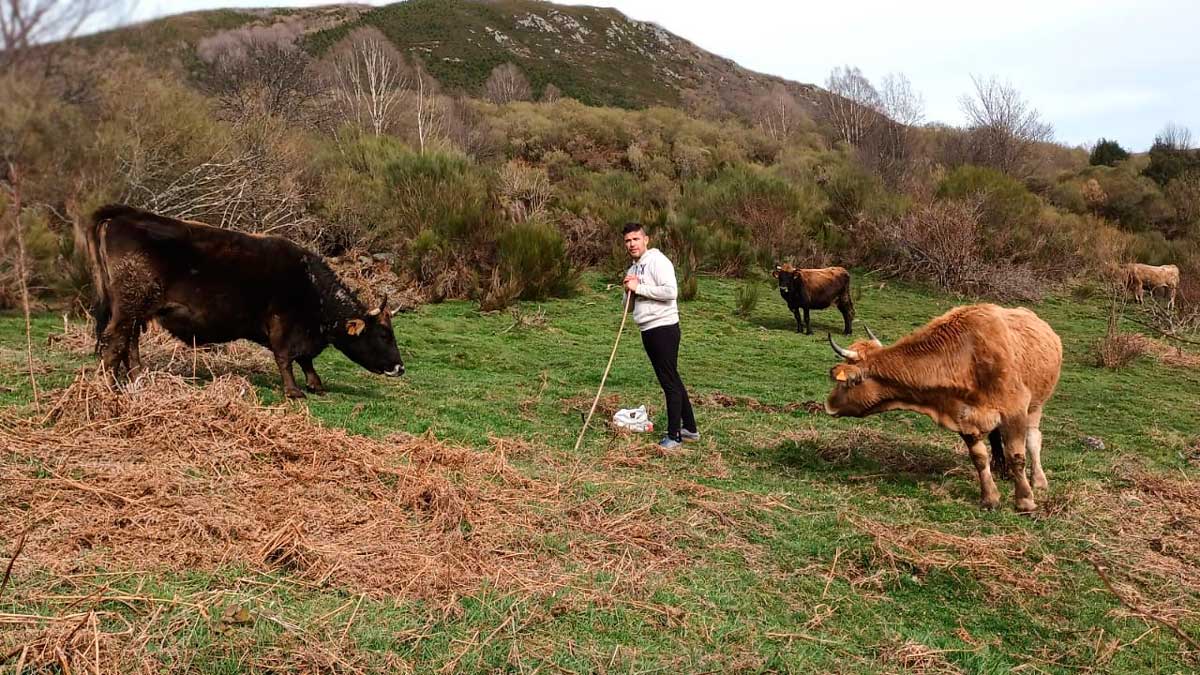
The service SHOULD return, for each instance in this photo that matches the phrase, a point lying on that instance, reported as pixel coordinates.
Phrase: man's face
(636, 243)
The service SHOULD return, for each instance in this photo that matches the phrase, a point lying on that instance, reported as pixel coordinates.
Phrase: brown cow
(208, 285)
(979, 370)
(815, 289)
(1138, 277)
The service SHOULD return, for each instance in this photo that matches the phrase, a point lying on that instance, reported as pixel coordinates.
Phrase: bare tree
(368, 78)
(777, 113)
(507, 84)
(1005, 127)
(259, 69)
(903, 110)
(853, 104)
(26, 24)
(1174, 136)
(551, 93)
(430, 116)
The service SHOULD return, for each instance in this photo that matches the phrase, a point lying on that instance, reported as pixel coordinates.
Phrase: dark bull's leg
(311, 379)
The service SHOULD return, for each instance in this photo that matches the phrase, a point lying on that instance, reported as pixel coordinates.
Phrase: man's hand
(631, 283)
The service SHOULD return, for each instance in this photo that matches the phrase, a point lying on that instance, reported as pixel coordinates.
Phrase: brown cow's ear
(355, 326)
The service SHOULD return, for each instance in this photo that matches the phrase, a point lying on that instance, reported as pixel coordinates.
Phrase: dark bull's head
(368, 341)
(787, 280)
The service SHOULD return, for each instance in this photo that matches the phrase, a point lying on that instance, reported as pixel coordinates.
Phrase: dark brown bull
(815, 289)
(208, 285)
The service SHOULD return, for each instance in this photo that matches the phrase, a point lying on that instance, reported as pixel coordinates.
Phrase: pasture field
(784, 541)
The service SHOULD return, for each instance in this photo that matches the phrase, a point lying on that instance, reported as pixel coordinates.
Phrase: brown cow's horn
(872, 335)
(844, 353)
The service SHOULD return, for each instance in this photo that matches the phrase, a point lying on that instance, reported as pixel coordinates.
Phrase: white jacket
(654, 302)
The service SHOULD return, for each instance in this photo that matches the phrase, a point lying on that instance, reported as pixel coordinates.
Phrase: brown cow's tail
(846, 301)
(94, 238)
(999, 464)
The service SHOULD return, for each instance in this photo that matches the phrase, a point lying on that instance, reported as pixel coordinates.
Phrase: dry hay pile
(1001, 563)
(166, 476)
(161, 351)
(170, 475)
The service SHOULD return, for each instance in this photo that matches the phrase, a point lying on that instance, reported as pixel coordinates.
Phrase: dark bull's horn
(872, 335)
(844, 353)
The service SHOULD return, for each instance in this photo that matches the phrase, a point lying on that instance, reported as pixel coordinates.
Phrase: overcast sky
(1114, 68)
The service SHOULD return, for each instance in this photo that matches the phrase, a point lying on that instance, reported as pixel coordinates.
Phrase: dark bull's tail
(93, 242)
(999, 465)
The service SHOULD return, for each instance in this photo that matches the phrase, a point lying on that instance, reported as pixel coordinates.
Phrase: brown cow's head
(855, 393)
(369, 341)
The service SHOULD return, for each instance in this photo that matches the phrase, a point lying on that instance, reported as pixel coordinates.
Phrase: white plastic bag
(633, 419)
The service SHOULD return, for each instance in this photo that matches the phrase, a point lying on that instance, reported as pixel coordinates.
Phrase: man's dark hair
(632, 227)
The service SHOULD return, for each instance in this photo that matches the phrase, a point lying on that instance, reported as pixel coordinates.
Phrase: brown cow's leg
(847, 311)
(807, 323)
(310, 375)
(1033, 445)
(799, 321)
(980, 456)
(1015, 430)
(1171, 297)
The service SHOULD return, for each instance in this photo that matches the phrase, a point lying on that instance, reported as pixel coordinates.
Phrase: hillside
(597, 56)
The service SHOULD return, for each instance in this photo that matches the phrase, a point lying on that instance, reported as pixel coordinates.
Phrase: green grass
(778, 608)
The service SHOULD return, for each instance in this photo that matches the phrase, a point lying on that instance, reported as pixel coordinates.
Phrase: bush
(943, 242)
(532, 257)
(1107, 153)
(378, 192)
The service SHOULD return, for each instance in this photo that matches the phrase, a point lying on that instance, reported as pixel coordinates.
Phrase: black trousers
(662, 346)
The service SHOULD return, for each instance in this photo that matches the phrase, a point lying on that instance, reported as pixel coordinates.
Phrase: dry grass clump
(372, 277)
(1001, 563)
(718, 399)
(1116, 350)
(914, 657)
(162, 352)
(895, 453)
(1149, 531)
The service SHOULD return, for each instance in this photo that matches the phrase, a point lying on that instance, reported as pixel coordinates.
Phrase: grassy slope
(467, 377)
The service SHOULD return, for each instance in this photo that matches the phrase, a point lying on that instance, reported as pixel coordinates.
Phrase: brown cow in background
(979, 370)
(1138, 277)
(815, 289)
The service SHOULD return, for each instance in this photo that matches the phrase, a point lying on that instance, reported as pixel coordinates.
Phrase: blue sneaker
(689, 436)
(667, 443)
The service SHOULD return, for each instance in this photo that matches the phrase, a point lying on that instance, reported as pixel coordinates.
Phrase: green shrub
(745, 298)
(532, 256)
(1107, 153)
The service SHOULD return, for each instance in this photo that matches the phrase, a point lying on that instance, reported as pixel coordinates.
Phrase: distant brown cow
(1138, 277)
(815, 289)
(979, 370)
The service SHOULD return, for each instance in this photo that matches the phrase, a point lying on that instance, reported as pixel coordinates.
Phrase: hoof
(989, 504)
(317, 391)
(1041, 483)
(1026, 505)
(293, 393)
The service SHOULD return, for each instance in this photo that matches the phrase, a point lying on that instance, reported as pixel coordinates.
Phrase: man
(651, 281)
